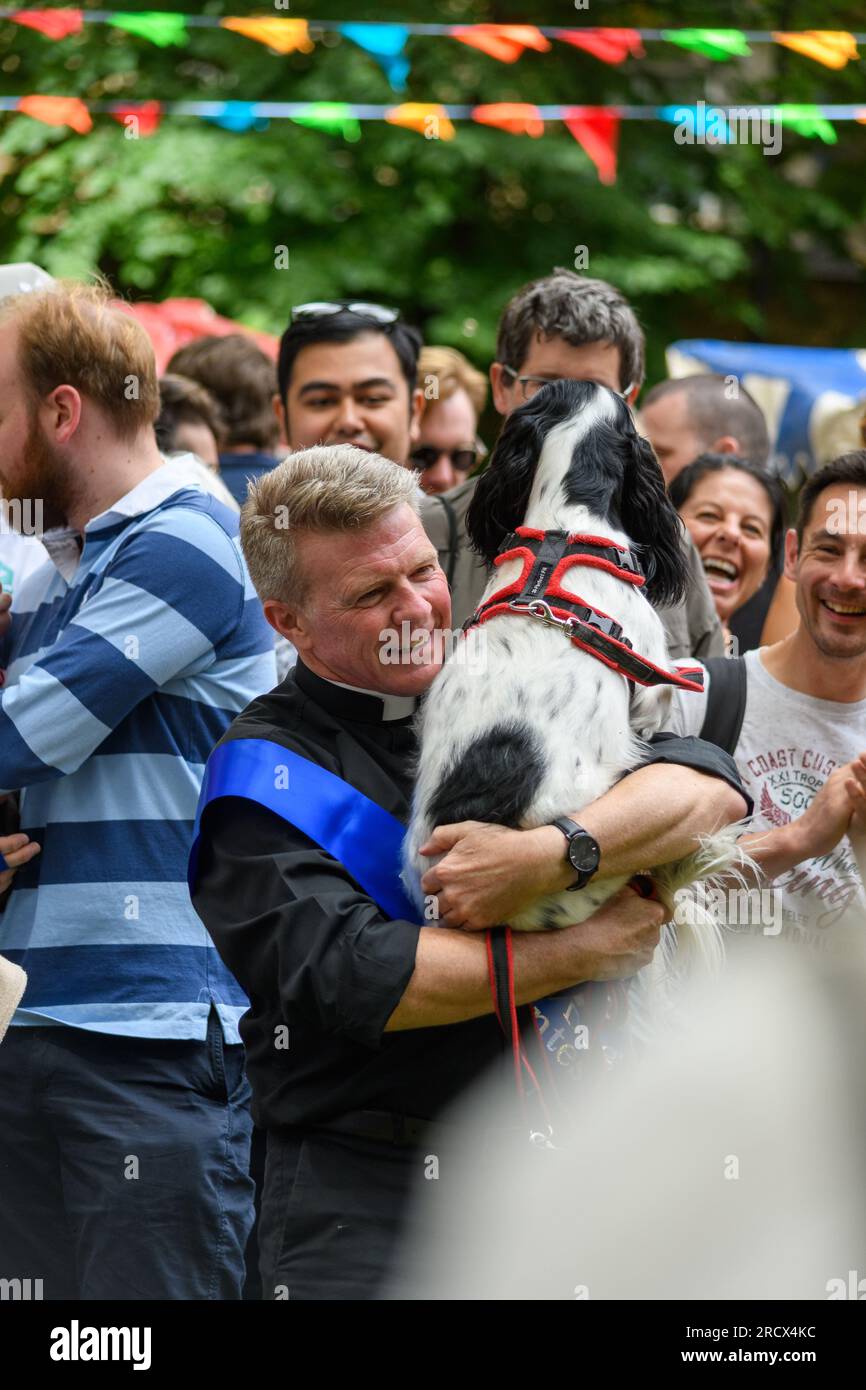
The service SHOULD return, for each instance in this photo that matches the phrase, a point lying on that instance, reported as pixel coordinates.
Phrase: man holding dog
(363, 1024)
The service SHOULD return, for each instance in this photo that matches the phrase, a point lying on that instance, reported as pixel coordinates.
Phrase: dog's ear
(501, 497)
(651, 520)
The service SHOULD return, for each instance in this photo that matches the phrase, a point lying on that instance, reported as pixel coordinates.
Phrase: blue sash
(362, 837)
(368, 842)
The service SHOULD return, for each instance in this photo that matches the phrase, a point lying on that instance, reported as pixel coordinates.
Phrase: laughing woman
(735, 513)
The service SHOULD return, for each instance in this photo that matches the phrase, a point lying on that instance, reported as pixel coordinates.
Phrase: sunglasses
(426, 456)
(326, 309)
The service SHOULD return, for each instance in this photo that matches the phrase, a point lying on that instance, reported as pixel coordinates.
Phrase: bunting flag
(517, 117)
(832, 47)
(333, 117)
(57, 111)
(386, 43)
(54, 24)
(808, 121)
(718, 44)
(239, 116)
(148, 115)
(429, 120)
(702, 123)
(597, 133)
(503, 41)
(610, 45)
(158, 26)
(282, 35)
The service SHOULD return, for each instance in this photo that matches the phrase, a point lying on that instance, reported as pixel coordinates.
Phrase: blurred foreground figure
(726, 1164)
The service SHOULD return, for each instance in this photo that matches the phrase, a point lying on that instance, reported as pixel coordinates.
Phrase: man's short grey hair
(713, 412)
(327, 488)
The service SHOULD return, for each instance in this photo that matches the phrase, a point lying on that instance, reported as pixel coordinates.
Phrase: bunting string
(386, 42)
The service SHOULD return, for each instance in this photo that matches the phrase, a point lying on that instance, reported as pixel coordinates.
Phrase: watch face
(584, 854)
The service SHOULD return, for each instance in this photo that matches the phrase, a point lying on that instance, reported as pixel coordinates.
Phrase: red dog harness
(538, 593)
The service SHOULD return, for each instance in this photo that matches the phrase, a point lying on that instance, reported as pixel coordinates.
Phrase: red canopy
(175, 322)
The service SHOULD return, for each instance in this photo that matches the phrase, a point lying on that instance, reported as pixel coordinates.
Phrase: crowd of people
(229, 1052)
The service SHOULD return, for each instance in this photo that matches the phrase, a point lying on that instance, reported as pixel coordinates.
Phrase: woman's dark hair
(684, 484)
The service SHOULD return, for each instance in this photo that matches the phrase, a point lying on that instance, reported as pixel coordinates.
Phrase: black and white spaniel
(523, 724)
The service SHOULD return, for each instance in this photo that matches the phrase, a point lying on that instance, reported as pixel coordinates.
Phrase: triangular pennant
(147, 114)
(718, 44)
(385, 42)
(503, 41)
(334, 117)
(239, 116)
(832, 47)
(517, 117)
(54, 24)
(610, 45)
(429, 120)
(705, 124)
(283, 35)
(808, 121)
(159, 26)
(597, 133)
(69, 111)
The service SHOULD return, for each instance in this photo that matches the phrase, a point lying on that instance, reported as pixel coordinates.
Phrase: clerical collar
(352, 701)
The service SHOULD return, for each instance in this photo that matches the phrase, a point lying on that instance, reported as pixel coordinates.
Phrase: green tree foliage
(720, 241)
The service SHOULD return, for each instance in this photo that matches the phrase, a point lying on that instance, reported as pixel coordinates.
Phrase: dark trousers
(338, 1216)
(124, 1164)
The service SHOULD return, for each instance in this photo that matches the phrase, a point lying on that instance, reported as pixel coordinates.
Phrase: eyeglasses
(529, 385)
(323, 309)
(426, 455)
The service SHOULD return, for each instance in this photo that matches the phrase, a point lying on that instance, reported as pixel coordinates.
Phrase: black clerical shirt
(315, 955)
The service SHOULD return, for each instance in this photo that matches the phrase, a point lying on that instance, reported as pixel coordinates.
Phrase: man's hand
(826, 820)
(620, 937)
(16, 850)
(856, 788)
(5, 614)
(489, 873)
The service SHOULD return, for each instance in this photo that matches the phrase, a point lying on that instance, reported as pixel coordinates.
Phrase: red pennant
(597, 133)
(610, 45)
(147, 113)
(54, 24)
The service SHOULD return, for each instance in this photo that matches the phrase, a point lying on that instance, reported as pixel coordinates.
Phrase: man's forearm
(450, 982)
(654, 816)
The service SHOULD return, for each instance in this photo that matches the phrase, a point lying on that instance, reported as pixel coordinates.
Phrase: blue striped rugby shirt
(125, 663)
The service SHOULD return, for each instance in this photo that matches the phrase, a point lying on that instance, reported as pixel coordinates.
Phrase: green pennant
(335, 117)
(808, 121)
(157, 26)
(718, 44)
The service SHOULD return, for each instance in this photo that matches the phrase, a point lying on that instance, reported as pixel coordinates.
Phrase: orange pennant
(430, 121)
(515, 116)
(58, 111)
(503, 41)
(832, 47)
(283, 35)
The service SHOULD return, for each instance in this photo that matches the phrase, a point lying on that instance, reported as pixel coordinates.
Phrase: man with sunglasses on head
(347, 373)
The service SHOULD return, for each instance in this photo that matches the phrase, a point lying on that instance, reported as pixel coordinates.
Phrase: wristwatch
(582, 851)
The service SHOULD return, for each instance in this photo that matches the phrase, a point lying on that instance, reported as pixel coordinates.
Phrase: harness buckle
(539, 609)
